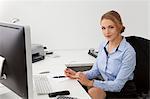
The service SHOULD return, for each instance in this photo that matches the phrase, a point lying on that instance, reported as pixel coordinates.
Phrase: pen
(45, 72)
(59, 76)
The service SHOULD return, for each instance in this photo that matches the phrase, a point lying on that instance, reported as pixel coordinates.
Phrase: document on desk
(1, 64)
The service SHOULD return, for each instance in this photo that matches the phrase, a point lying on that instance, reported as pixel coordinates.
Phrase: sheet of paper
(1, 63)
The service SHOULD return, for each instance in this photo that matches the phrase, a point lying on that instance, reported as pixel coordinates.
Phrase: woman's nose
(106, 31)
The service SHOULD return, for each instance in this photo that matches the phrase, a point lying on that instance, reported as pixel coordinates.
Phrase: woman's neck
(114, 43)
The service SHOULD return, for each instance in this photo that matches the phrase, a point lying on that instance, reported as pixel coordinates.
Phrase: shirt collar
(121, 45)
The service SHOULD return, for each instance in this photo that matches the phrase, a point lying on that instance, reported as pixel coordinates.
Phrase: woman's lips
(108, 36)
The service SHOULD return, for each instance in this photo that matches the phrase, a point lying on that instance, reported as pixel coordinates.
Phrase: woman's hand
(81, 77)
(70, 73)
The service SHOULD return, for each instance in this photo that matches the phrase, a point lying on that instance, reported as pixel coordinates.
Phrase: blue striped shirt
(116, 68)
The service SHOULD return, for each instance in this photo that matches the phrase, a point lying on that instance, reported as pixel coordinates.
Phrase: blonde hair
(115, 17)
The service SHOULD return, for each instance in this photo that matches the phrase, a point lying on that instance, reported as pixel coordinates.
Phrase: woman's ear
(120, 28)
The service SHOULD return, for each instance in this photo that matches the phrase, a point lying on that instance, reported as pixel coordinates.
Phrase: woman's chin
(109, 38)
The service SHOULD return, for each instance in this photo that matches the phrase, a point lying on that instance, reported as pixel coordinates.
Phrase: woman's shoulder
(129, 47)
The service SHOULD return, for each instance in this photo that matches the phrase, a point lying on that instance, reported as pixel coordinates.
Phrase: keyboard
(42, 84)
(66, 97)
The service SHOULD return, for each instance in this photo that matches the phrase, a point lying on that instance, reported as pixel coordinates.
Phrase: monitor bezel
(28, 56)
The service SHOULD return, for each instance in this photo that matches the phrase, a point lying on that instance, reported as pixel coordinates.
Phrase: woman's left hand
(81, 77)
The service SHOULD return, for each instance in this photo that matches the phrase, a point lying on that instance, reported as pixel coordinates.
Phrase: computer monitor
(15, 47)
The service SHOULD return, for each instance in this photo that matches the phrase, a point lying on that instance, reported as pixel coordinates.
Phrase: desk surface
(56, 64)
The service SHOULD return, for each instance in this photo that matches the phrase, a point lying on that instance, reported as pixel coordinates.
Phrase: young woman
(115, 62)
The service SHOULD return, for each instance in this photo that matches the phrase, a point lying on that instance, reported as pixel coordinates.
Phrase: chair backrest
(141, 73)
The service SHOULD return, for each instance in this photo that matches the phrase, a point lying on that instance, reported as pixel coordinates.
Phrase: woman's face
(110, 29)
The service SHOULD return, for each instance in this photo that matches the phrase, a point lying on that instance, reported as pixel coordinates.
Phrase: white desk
(56, 64)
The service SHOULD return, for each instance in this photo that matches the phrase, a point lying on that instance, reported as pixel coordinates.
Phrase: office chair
(141, 72)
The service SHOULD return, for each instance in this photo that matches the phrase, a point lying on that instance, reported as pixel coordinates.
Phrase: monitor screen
(15, 47)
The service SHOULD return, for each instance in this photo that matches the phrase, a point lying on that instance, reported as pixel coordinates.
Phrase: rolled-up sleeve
(94, 72)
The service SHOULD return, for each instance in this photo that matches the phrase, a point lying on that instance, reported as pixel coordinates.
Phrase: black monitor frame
(15, 47)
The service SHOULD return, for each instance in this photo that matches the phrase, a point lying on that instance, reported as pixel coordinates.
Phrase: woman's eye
(103, 28)
(111, 27)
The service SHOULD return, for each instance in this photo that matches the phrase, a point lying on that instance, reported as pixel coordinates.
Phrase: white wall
(74, 24)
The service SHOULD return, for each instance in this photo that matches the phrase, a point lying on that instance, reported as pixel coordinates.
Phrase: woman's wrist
(90, 83)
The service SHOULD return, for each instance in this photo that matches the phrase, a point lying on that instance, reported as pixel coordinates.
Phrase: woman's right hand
(70, 73)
